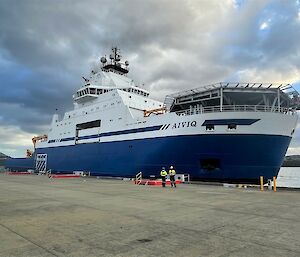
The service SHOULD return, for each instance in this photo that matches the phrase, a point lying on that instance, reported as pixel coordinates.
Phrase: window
(231, 126)
(210, 127)
(88, 125)
(293, 131)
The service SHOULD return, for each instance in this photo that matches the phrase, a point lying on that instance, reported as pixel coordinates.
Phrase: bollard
(274, 184)
(261, 183)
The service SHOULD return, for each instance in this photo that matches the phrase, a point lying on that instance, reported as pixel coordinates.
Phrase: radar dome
(103, 60)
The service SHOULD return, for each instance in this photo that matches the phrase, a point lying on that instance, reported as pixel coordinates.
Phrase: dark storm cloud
(50, 44)
(46, 46)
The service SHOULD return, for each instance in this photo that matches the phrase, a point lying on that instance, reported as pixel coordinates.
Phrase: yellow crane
(39, 138)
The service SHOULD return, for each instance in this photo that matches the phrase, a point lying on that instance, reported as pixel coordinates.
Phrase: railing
(235, 108)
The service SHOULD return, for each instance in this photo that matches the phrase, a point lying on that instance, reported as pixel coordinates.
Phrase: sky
(171, 45)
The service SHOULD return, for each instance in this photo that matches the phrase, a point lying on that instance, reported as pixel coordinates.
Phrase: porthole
(210, 127)
(231, 127)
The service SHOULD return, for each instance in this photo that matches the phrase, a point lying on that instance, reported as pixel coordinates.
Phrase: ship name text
(177, 125)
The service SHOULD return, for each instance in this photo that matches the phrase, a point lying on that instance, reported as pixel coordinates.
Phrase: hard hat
(171, 167)
(163, 168)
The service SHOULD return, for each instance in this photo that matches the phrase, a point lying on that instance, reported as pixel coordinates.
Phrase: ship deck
(97, 217)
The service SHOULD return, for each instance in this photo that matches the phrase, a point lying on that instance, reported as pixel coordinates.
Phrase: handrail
(235, 108)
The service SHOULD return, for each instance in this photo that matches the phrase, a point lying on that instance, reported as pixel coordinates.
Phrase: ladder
(138, 178)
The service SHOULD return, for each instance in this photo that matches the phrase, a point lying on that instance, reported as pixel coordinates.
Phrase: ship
(230, 132)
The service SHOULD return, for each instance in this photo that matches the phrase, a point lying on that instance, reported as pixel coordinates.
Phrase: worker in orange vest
(172, 174)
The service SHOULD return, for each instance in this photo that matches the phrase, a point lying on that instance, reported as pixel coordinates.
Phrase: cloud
(16, 141)
(45, 48)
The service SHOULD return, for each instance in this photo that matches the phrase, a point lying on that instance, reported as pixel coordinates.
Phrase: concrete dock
(95, 217)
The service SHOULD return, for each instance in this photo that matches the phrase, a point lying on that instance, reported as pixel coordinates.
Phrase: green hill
(291, 161)
(3, 157)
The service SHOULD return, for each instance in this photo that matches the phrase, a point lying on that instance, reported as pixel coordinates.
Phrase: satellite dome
(111, 56)
(103, 60)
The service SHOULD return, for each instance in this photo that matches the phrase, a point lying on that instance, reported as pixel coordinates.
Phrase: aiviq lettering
(177, 125)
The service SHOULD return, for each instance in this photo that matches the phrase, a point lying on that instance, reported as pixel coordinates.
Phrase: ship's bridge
(111, 76)
(222, 97)
(92, 92)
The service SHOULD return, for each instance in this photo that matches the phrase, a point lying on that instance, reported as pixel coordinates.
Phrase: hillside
(3, 157)
(291, 161)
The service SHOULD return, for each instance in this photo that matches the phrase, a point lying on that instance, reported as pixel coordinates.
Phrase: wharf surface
(98, 217)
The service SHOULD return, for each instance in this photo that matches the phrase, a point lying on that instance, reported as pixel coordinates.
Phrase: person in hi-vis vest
(163, 175)
(172, 174)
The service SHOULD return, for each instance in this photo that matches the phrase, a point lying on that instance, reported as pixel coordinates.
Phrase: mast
(115, 62)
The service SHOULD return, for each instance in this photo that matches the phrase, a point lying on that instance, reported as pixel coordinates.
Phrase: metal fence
(235, 108)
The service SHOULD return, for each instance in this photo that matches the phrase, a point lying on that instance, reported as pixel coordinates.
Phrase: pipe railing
(235, 108)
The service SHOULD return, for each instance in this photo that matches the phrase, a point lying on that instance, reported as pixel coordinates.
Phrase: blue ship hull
(19, 164)
(240, 158)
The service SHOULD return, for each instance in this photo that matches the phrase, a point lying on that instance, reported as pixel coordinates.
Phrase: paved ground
(77, 217)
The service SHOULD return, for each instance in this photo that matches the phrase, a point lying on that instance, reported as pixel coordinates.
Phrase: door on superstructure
(88, 132)
(41, 163)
